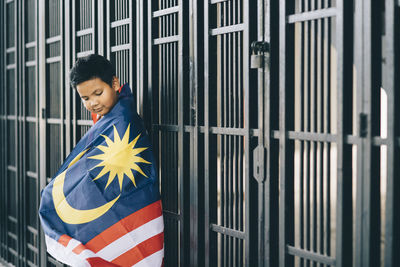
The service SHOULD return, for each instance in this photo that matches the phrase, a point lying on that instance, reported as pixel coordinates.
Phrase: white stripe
(154, 260)
(63, 254)
(132, 239)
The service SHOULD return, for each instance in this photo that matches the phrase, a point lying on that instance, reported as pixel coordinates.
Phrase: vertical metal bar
(130, 57)
(210, 214)
(41, 65)
(391, 84)
(286, 233)
(101, 13)
(224, 152)
(303, 119)
(327, 119)
(313, 124)
(67, 66)
(344, 38)
(368, 87)
(74, 58)
(262, 32)
(320, 129)
(19, 109)
(92, 10)
(195, 254)
(140, 54)
(181, 155)
(307, 128)
(3, 157)
(250, 250)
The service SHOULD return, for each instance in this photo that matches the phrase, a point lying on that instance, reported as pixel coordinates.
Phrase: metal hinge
(44, 115)
(259, 158)
(363, 124)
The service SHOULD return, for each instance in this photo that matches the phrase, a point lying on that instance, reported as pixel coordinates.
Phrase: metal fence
(275, 124)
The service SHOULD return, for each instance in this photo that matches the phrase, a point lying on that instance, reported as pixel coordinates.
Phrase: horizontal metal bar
(9, 1)
(12, 251)
(12, 117)
(312, 15)
(172, 215)
(12, 235)
(84, 32)
(119, 23)
(30, 44)
(12, 219)
(164, 12)
(31, 264)
(11, 66)
(10, 49)
(31, 63)
(217, 1)
(31, 119)
(188, 128)
(166, 127)
(32, 174)
(84, 53)
(32, 248)
(235, 131)
(53, 39)
(84, 122)
(53, 121)
(53, 261)
(228, 131)
(379, 141)
(165, 40)
(349, 139)
(32, 230)
(227, 231)
(352, 140)
(121, 47)
(227, 29)
(53, 59)
(307, 136)
(305, 254)
(11, 168)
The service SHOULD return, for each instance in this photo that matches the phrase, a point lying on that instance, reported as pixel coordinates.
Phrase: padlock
(256, 61)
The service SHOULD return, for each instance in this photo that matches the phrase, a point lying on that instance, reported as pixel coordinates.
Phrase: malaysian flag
(103, 206)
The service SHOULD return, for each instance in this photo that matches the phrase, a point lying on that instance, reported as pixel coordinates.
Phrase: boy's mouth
(97, 110)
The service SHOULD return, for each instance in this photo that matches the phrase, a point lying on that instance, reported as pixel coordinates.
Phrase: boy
(103, 206)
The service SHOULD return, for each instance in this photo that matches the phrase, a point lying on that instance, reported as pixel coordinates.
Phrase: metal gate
(275, 123)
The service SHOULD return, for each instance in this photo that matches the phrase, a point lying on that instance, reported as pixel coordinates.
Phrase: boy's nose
(94, 103)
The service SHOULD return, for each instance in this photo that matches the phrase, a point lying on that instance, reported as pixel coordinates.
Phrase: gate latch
(259, 51)
(259, 159)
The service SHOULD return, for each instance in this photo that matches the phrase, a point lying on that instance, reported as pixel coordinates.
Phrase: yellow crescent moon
(69, 214)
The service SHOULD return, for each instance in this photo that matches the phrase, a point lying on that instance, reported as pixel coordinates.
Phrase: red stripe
(141, 251)
(125, 226)
(78, 249)
(64, 240)
(94, 117)
(100, 262)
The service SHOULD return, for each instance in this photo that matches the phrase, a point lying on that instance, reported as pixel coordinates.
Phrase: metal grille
(316, 125)
(315, 116)
(168, 101)
(229, 122)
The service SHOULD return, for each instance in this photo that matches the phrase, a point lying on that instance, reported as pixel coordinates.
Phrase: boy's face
(97, 96)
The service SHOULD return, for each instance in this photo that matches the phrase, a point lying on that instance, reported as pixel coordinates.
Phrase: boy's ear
(115, 83)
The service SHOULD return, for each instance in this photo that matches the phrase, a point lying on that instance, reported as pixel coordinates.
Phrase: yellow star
(119, 157)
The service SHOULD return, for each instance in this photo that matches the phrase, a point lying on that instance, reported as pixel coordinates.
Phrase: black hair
(90, 67)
